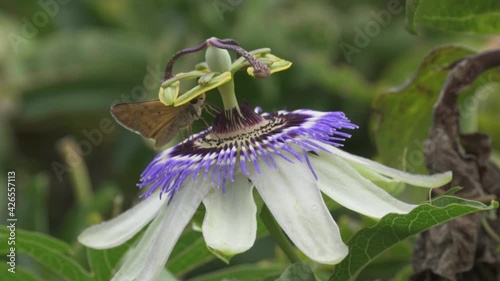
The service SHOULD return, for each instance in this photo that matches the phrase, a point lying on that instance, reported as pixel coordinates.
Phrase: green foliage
(62, 81)
(487, 111)
(77, 219)
(65, 75)
(471, 16)
(50, 252)
(370, 242)
(189, 253)
(298, 271)
(400, 145)
(59, 257)
(20, 274)
(248, 272)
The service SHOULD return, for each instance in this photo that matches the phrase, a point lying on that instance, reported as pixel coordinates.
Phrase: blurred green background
(64, 63)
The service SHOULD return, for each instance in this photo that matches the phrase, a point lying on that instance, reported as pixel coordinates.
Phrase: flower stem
(278, 235)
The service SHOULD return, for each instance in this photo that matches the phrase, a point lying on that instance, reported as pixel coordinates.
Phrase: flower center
(236, 128)
(243, 141)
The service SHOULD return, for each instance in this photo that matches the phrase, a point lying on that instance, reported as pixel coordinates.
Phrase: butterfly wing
(151, 119)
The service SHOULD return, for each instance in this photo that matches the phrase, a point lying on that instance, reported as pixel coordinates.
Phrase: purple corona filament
(237, 142)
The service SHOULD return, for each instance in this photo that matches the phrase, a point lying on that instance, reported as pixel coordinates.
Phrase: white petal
(292, 196)
(180, 211)
(390, 185)
(430, 181)
(116, 231)
(371, 175)
(138, 255)
(344, 184)
(230, 223)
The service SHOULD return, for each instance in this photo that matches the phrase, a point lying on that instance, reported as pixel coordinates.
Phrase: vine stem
(260, 70)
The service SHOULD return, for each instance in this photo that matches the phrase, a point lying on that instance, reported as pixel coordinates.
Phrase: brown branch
(461, 249)
(463, 73)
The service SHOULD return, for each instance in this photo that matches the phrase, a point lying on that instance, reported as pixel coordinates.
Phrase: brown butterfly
(154, 120)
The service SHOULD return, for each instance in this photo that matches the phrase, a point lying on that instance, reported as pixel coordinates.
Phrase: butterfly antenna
(212, 110)
(204, 121)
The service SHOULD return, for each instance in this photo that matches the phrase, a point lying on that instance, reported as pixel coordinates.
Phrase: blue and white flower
(289, 157)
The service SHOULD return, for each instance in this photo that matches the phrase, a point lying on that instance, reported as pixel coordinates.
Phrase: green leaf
(481, 17)
(58, 256)
(248, 272)
(223, 257)
(52, 253)
(489, 102)
(389, 263)
(404, 274)
(400, 145)
(298, 271)
(453, 190)
(368, 243)
(99, 264)
(189, 252)
(78, 218)
(104, 262)
(35, 203)
(19, 275)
